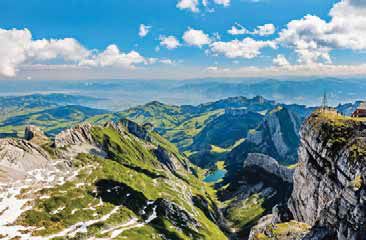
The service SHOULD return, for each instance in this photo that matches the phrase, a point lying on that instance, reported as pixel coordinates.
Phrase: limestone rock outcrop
(35, 135)
(329, 184)
(269, 165)
(78, 135)
(18, 157)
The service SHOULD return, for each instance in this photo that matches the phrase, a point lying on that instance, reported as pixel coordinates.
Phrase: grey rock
(18, 157)
(270, 165)
(75, 136)
(329, 189)
(136, 129)
(35, 135)
(281, 213)
(170, 161)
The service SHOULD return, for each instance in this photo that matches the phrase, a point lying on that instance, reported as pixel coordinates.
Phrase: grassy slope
(134, 166)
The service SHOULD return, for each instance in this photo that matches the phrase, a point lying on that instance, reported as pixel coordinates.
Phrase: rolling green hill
(51, 120)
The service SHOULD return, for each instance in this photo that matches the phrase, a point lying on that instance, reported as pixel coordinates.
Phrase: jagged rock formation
(35, 134)
(136, 129)
(329, 189)
(169, 160)
(78, 135)
(17, 157)
(277, 136)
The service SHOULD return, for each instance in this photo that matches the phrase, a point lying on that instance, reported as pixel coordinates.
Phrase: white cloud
(17, 47)
(246, 48)
(317, 69)
(264, 30)
(144, 30)
(225, 3)
(169, 42)
(112, 56)
(13, 45)
(196, 38)
(167, 61)
(314, 38)
(280, 61)
(238, 29)
(191, 5)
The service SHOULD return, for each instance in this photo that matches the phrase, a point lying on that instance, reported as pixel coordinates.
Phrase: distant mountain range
(305, 92)
(123, 94)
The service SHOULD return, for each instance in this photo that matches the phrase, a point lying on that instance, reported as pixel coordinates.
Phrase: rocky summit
(329, 190)
(328, 197)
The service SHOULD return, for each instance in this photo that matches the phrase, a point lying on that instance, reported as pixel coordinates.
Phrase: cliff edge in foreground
(329, 189)
(329, 192)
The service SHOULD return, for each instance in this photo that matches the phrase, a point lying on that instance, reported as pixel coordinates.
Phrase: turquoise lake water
(215, 176)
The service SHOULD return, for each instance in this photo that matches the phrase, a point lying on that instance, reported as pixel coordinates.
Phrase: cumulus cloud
(191, 5)
(18, 48)
(194, 5)
(246, 48)
(264, 30)
(314, 38)
(169, 42)
(196, 38)
(238, 29)
(144, 30)
(112, 56)
(280, 61)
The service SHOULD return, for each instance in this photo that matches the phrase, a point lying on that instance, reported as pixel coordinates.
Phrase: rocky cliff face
(278, 132)
(226, 129)
(269, 165)
(277, 136)
(329, 189)
(74, 136)
(259, 186)
(17, 157)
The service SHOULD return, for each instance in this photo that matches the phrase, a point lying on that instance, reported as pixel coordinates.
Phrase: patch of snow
(82, 227)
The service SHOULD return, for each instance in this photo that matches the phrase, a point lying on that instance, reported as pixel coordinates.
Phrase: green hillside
(51, 120)
(142, 182)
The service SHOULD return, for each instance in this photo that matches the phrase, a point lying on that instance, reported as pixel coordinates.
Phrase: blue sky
(209, 50)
